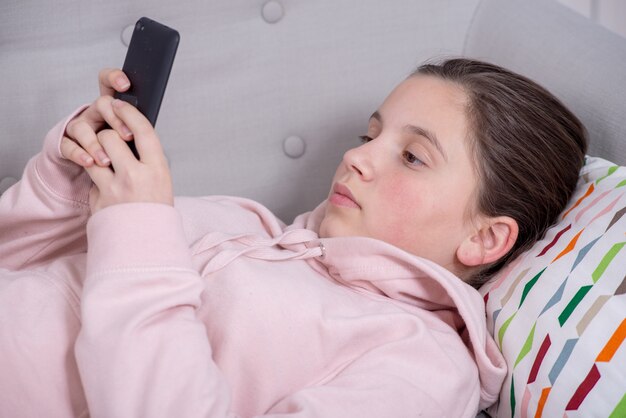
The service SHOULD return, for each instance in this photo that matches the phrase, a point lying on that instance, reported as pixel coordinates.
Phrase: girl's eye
(365, 139)
(412, 159)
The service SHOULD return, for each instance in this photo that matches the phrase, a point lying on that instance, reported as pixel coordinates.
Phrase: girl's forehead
(429, 102)
(427, 95)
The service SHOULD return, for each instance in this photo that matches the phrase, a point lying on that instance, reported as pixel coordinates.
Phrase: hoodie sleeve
(142, 351)
(43, 216)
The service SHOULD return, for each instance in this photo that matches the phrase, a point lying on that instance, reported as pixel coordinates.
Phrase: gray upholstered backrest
(582, 63)
(245, 79)
(250, 74)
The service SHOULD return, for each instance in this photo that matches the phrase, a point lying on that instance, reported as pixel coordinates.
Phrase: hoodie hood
(382, 268)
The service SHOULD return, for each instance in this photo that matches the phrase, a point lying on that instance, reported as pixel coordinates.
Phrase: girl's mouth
(342, 196)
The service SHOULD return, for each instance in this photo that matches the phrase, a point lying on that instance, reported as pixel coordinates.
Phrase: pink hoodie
(215, 308)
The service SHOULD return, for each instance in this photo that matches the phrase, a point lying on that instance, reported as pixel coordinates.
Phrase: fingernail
(125, 131)
(104, 159)
(86, 159)
(122, 82)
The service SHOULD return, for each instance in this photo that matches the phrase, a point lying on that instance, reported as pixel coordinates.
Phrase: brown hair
(529, 149)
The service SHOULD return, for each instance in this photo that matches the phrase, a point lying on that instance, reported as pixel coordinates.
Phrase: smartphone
(147, 65)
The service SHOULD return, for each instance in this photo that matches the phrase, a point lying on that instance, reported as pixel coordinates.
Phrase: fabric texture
(558, 312)
(216, 308)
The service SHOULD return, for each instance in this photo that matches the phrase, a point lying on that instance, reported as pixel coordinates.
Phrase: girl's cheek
(401, 201)
(403, 194)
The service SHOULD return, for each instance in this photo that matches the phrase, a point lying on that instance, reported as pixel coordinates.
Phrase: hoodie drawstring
(292, 245)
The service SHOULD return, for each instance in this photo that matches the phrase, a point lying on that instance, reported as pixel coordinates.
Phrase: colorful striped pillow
(558, 312)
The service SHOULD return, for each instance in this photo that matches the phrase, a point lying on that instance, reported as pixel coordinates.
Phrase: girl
(118, 300)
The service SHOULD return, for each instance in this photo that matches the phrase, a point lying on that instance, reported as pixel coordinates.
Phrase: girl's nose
(360, 161)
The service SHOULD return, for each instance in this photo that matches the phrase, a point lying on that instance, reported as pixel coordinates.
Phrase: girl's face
(412, 182)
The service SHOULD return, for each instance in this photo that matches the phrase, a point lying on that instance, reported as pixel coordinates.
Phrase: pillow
(558, 312)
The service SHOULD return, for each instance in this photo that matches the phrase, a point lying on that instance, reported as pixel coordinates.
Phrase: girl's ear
(489, 243)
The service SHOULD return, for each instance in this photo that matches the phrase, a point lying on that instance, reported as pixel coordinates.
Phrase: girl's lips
(342, 196)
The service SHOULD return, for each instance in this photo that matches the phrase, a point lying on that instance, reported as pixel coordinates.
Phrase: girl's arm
(43, 216)
(141, 350)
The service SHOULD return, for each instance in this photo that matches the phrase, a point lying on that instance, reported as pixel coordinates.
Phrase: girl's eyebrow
(420, 131)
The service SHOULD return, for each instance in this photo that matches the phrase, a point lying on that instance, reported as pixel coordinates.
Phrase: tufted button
(127, 33)
(272, 11)
(5, 183)
(294, 146)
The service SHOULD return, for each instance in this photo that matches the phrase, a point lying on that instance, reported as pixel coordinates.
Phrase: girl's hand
(80, 143)
(145, 180)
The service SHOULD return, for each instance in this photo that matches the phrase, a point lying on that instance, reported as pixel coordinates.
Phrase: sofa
(265, 96)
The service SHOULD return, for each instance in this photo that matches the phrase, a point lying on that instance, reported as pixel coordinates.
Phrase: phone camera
(139, 26)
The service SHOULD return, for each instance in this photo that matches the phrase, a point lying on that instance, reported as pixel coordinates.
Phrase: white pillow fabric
(558, 312)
